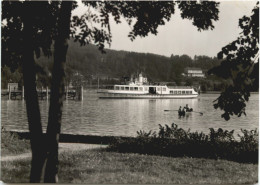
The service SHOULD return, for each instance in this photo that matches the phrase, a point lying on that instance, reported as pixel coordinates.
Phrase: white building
(12, 86)
(194, 72)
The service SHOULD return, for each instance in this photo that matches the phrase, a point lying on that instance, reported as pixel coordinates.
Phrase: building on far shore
(12, 86)
(194, 72)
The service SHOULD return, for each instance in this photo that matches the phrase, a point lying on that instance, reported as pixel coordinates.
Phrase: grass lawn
(11, 144)
(100, 166)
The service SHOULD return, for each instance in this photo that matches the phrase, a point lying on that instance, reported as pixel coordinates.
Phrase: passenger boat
(147, 92)
(139, 89)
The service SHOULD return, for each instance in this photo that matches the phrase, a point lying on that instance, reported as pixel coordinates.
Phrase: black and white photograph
(129, 92)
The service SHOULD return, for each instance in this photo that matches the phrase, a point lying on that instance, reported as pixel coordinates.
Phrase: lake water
(124, 117)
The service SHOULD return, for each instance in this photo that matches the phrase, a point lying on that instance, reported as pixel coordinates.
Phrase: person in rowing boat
(179, 111)
(188, 109)
(183, 111)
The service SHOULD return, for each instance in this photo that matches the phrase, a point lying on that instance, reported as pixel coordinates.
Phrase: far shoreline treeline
(88, 67)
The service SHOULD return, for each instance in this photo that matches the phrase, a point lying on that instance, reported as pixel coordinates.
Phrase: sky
(179, 36)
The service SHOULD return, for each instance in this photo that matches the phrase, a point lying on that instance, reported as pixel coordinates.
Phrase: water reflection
(124, 117)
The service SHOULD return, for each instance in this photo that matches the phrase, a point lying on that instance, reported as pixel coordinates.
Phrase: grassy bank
(105, 166)
(100, 166)
(13, 144)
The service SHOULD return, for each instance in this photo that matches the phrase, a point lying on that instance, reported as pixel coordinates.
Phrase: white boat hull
(145, 96)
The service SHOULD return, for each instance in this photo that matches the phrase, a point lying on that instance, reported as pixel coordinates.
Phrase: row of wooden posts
(69, 94)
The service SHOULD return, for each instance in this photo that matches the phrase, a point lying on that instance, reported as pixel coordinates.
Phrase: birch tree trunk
(57, 92)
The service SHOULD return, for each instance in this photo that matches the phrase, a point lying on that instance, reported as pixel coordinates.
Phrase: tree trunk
(31, 99)
(57, 92)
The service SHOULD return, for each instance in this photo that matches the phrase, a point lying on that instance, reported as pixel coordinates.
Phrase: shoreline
(77, 139)
(81, 139)
(202, 92)
(218, 92)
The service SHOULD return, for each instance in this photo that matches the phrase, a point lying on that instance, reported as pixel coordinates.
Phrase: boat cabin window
(171, 92)
(122, 88)
(140, 88)
(175, 92)
(131, 88)
(183, 92)
(158, 88)
(179, 92)
(164, 88)
(116, 88)
(136, 88)
(127, 88)
(188, 92)
(146, 88)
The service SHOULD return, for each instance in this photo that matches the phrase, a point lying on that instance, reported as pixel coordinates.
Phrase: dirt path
(63, 147)
(15, 157)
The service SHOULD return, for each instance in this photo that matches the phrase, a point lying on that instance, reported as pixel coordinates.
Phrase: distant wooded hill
(90, 62)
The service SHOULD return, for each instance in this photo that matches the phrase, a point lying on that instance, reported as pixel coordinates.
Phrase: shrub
(177, 142)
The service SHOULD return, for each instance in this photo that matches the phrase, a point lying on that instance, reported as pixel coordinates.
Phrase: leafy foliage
(249, 137)
(221, 135)
(142, 133)
(8, 77)
(143, 17)
(199, 13)
(177, 142)
(172, 132)
(240, 67)
(44, 17)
